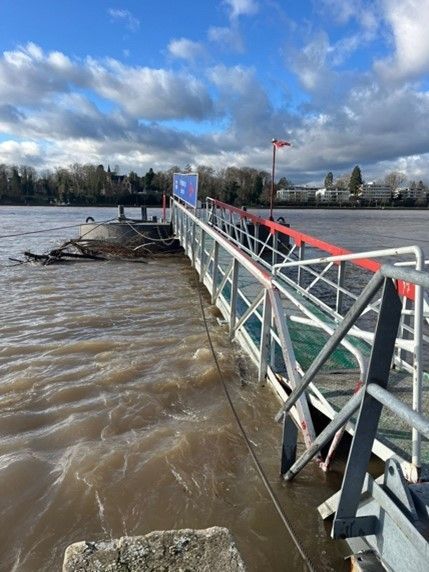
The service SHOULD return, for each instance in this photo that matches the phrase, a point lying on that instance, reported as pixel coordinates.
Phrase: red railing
(404, 288)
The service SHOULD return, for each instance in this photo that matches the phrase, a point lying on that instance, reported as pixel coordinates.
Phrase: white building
(298, 195)
(333, 196)
(416, 193)
(375, 193)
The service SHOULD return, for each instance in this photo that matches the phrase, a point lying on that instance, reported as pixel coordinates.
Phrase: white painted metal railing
(264, 277)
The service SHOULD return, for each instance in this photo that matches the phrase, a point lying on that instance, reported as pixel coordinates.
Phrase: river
(112, 418)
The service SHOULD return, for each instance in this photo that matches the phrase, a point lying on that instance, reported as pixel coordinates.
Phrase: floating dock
(140, 237)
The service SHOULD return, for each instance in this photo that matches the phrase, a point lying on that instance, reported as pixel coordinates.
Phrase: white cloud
(185, 49)
(18, 153)
(409, 20)
(29, 77)
(310, 63)
(241, 7)
(150, 93)
(364, 12)
(226, 38)
(119, 14)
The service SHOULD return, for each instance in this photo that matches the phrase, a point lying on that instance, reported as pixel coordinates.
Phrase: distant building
(297, 195)
(333, 196)
(375, 193)
(415, 193)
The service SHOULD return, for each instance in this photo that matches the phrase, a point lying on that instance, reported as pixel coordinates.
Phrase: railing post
(256, 239)
(305, 420)
(275, 245)
(417, 373)
(233, 299)
(193, 243)
(202, 255)
(181, 225)
(215, 270)
(346, 524)
(264, 344)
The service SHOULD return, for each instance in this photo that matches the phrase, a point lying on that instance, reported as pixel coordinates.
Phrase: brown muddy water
(112, 418)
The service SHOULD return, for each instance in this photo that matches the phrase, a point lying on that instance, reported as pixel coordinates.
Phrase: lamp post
(277, 143)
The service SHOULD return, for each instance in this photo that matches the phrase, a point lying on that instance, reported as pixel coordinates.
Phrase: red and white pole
(273, 171)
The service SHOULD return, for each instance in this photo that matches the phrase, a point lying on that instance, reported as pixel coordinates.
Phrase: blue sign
(185, 187)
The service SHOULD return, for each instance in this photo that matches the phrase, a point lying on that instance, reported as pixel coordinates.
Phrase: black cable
(256, 462)
(50, 229)
(39, 231)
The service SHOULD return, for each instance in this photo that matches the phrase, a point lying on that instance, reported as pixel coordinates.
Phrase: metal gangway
(344, 333)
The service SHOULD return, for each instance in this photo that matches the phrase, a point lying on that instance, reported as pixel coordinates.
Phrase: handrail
(324, 291)
(337, 253)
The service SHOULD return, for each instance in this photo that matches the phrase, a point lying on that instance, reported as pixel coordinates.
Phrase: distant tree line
(94, 185)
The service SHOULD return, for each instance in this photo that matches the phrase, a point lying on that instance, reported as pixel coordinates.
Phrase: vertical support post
(194, 242)
(186, 237)
(305, 420)
(164, 207)
(403, 332)
(264, 344)
(215, 270)
(340, 284)
(290, 440)
(256, 239)
(301, 256)
(233, 300)
(346, 524)
(202, 255)
(275, 241)
(417, 371)
(273, 171)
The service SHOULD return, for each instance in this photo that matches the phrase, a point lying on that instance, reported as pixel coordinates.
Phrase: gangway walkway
(307, 313)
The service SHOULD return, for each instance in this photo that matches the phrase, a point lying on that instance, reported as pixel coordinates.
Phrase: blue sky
(143, 84)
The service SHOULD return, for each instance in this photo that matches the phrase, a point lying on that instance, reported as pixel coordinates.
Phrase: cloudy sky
(145, 83)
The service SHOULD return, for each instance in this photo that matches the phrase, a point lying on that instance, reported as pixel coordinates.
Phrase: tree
(394, 180)
(355, 181)
(343, 182)
(284, 183)
(3, 181)
(134, 181)
(148, 179)
(329, 180)
(15, 183)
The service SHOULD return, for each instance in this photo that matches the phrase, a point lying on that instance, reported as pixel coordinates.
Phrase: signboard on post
(185, 187)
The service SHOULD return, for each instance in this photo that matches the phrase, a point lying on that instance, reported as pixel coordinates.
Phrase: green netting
(308, 341)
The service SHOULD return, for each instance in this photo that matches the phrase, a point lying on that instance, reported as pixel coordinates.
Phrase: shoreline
(258, 207)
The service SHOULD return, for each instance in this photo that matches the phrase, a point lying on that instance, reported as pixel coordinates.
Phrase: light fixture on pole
(277, 143)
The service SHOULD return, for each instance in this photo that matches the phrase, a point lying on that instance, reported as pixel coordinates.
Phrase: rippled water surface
(112, 417)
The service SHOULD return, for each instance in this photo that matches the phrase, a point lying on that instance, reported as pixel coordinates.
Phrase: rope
(152, 238)
(288, 525)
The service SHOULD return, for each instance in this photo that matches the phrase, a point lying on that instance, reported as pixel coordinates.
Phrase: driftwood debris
(137, 247)
(82, 249)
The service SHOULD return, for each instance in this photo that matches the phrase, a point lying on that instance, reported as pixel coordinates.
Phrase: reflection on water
(112, 419)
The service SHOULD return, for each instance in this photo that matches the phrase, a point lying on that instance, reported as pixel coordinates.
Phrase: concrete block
(186, 550)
